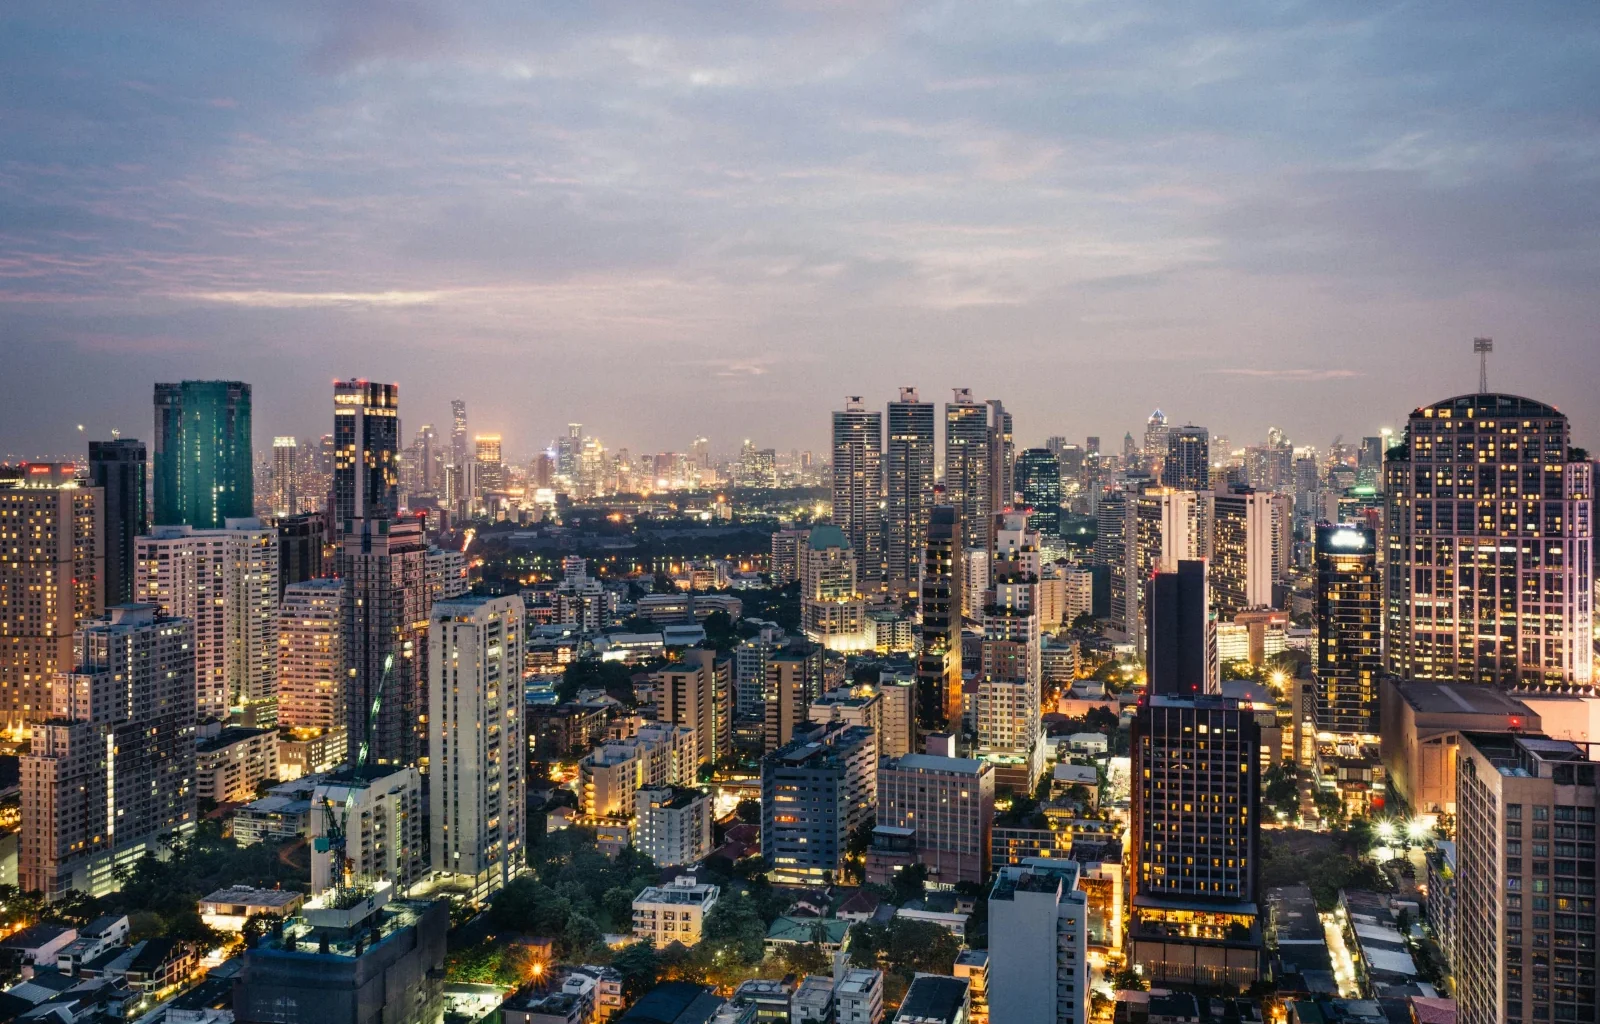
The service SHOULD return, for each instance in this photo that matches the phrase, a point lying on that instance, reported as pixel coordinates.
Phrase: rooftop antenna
(1483, 346)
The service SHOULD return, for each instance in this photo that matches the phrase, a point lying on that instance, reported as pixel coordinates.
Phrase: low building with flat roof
(228, 909)
(1420, 727)
(935, 999)
(664, 914)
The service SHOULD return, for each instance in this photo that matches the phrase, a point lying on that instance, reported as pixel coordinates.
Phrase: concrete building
(476, 752)
(54, 537)
(673, 825)
(384, 633)
(935, 999)
(1241, 550)
(783, 562)
(382, 814)
(225, 581)
(949, 802)
(857, 995)
(939, 662)
(611, 776)
(228, 909)
(1421, 728)
(311, 670)
(1038, 945)
(117, 468)
(694, 693)
(794, 680)
(1524, 885)
(664, 914)
(858, 485)
(111, 771)
(908, 491)
(231, 761)
(814, 792)
(833, 611)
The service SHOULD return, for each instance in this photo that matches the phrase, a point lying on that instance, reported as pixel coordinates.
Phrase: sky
(673, 219)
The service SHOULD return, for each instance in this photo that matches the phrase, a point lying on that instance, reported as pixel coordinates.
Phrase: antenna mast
(1483, 346)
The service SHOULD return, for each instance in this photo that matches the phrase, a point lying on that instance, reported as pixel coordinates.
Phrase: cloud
(1290, 374)
(313, 300)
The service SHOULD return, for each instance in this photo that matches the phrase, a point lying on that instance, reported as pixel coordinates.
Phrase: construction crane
(336, 831)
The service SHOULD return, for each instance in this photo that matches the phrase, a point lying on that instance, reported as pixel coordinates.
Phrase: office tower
(366, 438)
(1164, 527)
(1002, 459)
(968, 466)
(1039, 482)
(117, 468)
(52, 580)
(794, 680)
(1111, 551)
(939, 663)
(1197, 778)
(476, 751)
(1187, 466)
(949, 803)
(1181, 655)
(332, 964)
(203, 472)
(1349, 619)
(673, 825)
(299, 547)
(1463, 602)
(1369, 462)
(285, 476)
(1524, 919)
(909, 489)
(311, 674)
(111, 771)
(1038, 944)
(226, 582)
(486, 448)
(833, 611)
(1154, 449)
(458, 432)
(1011, 674)
(1241, 551)
(425, 460)
(858, 483)
(384, 626)
(814, 792)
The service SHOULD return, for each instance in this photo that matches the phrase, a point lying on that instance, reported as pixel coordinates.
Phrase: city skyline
(1317, 206)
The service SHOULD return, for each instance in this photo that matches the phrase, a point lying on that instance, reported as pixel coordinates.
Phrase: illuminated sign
(1347, 539)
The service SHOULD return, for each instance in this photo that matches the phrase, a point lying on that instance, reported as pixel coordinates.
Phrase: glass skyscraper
(203, 473)
(118, 467)
(1039, 479)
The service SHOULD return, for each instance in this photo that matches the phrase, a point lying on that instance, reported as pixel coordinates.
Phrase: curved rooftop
(827, 535)
(1494, 404)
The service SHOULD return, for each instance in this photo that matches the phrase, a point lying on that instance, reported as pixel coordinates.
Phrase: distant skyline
(676, 219)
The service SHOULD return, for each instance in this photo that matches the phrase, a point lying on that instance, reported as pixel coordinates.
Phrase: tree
(749, 811)
(734, 928)
(1084, 621)
(580, 935)
(617, 904)
(806, 958)
(638, 965)
(1283, 788)
(908, 883)
(255, 926)
(1125, 977)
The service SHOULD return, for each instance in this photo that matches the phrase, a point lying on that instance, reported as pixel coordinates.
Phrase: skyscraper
(1181, 654)
(1188, 459)
(858, 484)
(1009, 689)
(1039, 944)
(1038, 477)
(52, 580)
(475, 743)
(112, 770)
(833, 611)
(117, 467)
(385, 637)
(1241, 549)
(366, 440)
(1002, 459)
(425, 460)
(1349, 620)
(203, 472)
(458, 432)
(909, 491)
(969, 466)
(285, 476)
(1154, 450)
(568, 449)
(299, 547)
(311, 673)
(1489, 546)
(491, 471)
(939, 663)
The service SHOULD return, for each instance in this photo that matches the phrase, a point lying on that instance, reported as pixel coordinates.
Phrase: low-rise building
(857, 995)
(973, 965)
(936, 999)
(812, 1002)
(664, 914)
(228, 909)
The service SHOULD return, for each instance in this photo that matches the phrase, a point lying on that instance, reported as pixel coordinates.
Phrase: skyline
(681, 221)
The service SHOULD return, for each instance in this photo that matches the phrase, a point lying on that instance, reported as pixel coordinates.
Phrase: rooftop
(255, 897)
(934, 763)
(1462, 699)
(934, 997)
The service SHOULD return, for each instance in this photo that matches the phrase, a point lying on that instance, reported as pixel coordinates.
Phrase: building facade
(1349, 621)
(384, 627)
(118, 469)
(858, 484)
(204, 465)
(908, 497)
(814, 792)
(949, 802)
(311, 671)
(673, 826)
(366, 446)
(1038, 967)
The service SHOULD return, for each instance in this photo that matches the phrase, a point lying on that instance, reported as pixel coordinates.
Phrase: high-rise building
(1009, 688)
(1038, 944)
(1197, 779)
(300, 540)
(794, 681)
(1158, 528)
(969, 466)
(366, 446)
(673, 825)
(815, 791)
(949, 803)
(476, 752)
(784, 561)
(225, 582)
(458, 432)
(909, 489)
(203, 471)
(1187, 466)
(381, 813)
(858, 484)
(1524, 917)
(1489, 546)
(833, 611)
(1241, 550)
(491, 471)
(939, 662)
(1002, 459)
(112, 770)
(117, 468)
(1039, 482)
(52, 580)
(385, 635)
(311, 675)
(1349, 621)
(1154, 449)
(1181, 656)
(425, 460)
(687, 696)
(285, 476)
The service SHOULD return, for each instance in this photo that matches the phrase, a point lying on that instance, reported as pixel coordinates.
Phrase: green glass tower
(203, 474)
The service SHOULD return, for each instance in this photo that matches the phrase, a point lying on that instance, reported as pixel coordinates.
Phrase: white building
(1038, 944)
(382, 817)
(610, 776)
(447, 574)
(673, 825)
(475, 742)
(832, 608)
(664, 914)
(226, 582)
(857, 995)
(311, 656)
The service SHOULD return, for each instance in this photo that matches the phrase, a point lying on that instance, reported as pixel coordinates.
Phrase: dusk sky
(666, 219)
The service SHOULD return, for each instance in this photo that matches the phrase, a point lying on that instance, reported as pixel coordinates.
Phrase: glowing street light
(1386, 830)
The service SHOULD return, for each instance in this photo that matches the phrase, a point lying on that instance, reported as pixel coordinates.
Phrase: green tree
(638, 965)
(1282, 790)
(580, 936)
(617, 903)
(734, 929)
(749, 811)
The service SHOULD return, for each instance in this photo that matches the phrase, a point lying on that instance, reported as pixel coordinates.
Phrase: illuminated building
(948, 802)
(112, 770)
(1181, 649)
(385, 633)
(814, 792)
(833, 610)
(1159, 528)
(674, 825)
(1241, 550)
(1154, 449)
(458, 432)
(366, 445)
(476, 752)
(858, 484)
(491, 470)
(794, 680)
(203, 463)
(1011, 674)
(117, 468)
(52, 579)
(939, 663)
(694, 694)
(1349, 620)
(1489, 546)
(665, 914)
(1038, 476)
(1038, 944)
(1187, 466)
(311, 674)
(285, 476)
(909, 473)
(225, 581)
(383, 821)
(969, 467)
